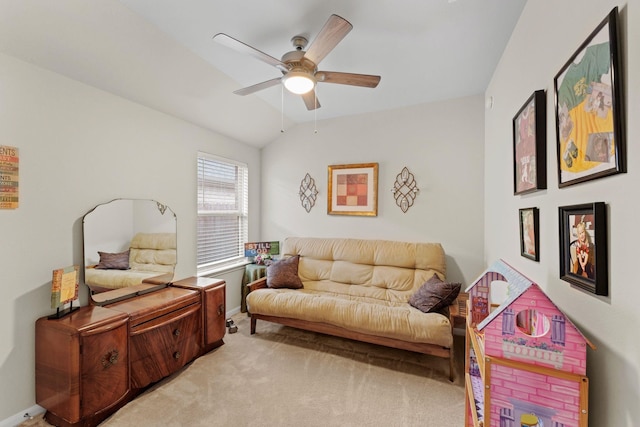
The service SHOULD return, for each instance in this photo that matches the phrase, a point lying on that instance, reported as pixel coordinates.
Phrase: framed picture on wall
(353, 189)
(530, 145)
(529, 233)
(588, 103)
(583, 247)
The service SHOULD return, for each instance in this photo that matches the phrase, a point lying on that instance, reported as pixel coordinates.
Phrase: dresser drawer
(163, 345)
(213, 293)
(82, 364)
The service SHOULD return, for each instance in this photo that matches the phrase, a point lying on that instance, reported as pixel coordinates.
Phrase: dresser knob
(176, 355)
(110, 358)
(176, 333)
(220, 309)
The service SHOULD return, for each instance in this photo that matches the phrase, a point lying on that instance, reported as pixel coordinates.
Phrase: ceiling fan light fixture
(299, 82)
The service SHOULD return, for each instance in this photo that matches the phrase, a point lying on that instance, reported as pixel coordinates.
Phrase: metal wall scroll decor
(308, 192)
(405, 189)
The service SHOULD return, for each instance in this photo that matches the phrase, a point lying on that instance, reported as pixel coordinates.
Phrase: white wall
(80, 147)
(440, 143)
(547, 34)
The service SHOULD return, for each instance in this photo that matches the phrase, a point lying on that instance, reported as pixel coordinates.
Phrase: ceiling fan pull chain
(281, 109)
(315, 111)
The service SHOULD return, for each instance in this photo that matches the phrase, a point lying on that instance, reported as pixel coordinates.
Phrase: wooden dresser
(96, 359)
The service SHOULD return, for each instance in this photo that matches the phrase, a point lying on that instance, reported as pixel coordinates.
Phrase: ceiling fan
(299, 67)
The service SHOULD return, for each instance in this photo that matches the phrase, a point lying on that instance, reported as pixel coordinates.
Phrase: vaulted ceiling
(160, 53)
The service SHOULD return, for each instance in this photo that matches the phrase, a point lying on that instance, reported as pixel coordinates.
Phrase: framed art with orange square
(353, 189)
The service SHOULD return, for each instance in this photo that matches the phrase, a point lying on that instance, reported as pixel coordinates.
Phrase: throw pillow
(111, 261)
(434, 295)
(284, 274)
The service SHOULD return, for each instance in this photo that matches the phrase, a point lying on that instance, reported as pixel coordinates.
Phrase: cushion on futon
(434, 295)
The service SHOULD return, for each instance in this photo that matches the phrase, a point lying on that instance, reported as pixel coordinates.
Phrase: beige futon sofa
(360, 289)
(151, 259)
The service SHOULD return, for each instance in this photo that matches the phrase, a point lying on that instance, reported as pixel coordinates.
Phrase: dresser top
(149, 306)
(85, 318)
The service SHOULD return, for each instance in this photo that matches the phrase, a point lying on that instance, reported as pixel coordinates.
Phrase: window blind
(222, 228)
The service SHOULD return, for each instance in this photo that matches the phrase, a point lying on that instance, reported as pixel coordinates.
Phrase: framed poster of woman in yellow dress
(588, 104)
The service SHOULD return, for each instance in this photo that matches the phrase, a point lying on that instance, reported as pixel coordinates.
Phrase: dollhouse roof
(517, 285)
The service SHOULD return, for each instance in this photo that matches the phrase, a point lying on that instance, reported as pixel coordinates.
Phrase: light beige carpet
(287, 377)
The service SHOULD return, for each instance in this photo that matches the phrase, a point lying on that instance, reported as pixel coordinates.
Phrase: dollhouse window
(499, 292)
(533, 323)
(558, 329)
(508, 322)
(506, 417)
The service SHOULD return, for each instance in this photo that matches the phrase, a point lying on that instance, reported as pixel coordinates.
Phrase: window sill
(211, 271)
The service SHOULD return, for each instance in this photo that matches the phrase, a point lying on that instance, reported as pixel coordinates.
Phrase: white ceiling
(160, 53)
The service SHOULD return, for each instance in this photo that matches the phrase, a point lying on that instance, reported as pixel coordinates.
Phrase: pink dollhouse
(525, 360)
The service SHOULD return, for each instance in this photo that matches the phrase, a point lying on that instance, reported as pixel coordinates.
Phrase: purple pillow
(110, 261)
(434, 295)
(284, 274)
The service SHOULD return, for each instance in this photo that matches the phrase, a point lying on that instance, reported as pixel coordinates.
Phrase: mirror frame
(135, 222)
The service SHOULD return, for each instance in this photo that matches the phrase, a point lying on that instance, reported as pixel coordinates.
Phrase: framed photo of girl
(530, 145)
(583, 247)
(588, 103)
(529, 233)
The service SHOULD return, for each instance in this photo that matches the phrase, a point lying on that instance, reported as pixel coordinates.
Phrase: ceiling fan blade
(311, 100)
(241, 47)
(329, 36)
(259, 86)
(364, 80)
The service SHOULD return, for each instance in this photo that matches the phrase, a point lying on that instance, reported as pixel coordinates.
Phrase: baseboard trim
(22, 416)
(35, 410)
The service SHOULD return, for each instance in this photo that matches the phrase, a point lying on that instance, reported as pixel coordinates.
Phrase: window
(222, 211)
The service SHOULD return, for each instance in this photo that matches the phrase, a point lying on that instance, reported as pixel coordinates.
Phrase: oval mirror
(127, 243)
